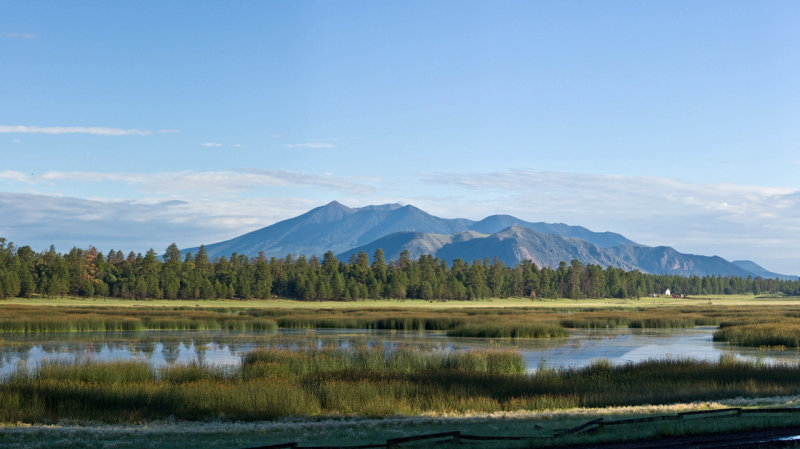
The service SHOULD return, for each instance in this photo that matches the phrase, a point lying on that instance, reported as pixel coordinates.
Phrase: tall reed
(761, 334)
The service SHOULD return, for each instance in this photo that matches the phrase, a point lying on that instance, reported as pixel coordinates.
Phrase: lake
(225, 348)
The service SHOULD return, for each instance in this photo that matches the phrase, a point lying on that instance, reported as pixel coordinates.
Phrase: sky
(133, 125)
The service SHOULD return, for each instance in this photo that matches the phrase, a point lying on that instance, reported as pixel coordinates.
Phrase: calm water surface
(163, 348)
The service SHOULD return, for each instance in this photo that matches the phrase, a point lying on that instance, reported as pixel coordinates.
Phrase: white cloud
(99, 131)
(311, 145)
(21, 35)
(210, 144)
(206, 183)
(730, 220)
(169, 131)
(42, 220)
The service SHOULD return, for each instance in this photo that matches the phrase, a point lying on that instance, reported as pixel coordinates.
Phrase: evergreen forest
(89, 273)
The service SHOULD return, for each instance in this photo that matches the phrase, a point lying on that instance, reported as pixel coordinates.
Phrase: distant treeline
(24, 272)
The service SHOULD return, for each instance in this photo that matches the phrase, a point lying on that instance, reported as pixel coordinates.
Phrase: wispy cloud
(21, 35)
(210, 144)
(732, 220)
(311, 145)
(42, 220)
(207, 183)
(169, 131)
(94, 130)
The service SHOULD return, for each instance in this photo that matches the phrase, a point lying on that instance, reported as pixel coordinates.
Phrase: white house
(667, 292)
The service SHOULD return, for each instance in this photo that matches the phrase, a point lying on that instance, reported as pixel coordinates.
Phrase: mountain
(758, 270)
(497, 223)
(516, 243)
(338, 228)
(393, 227)
(417, 244)
(666, 260)
(333, 227)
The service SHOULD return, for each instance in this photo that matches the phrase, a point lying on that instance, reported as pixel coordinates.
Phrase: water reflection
(162, 348)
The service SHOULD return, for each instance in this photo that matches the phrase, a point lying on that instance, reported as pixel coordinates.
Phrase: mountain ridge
(395, 227)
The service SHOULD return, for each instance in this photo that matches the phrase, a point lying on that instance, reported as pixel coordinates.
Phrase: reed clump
(781, 334)
(283, 362)
(509, 330)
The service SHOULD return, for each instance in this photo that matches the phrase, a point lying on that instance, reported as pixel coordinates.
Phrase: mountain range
(394, 228)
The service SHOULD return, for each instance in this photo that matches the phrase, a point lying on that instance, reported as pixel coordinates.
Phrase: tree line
(89, 273)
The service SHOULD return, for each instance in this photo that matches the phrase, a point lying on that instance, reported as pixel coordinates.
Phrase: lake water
(162, 348)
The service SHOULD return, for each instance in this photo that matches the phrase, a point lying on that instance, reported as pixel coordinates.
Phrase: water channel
(162, 348)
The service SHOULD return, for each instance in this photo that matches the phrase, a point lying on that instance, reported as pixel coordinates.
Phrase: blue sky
(132, 125)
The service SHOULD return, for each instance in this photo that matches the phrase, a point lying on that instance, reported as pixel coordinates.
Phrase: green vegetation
(89, 273)
(364, 431)
(774, 335)
(15, 318)
(486, 322)
(508, 330)
(271, 384)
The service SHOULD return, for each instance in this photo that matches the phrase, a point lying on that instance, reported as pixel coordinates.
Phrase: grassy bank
(271, 384)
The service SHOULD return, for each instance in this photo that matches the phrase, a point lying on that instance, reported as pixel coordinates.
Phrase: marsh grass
(780, 334)
(32, 319)
(522, 322)
(274, 383)
(509, 330)
(364, 360)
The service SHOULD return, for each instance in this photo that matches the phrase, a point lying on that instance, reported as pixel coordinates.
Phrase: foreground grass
(272, 384)
(362, 431)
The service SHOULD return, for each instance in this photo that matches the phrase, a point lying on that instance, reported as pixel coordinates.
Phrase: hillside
(338, 228)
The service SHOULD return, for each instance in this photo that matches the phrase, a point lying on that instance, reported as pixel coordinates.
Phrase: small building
(667, 292)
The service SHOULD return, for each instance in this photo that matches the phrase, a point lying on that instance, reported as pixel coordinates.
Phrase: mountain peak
(336, 204)
(332, 211)
(389, 207)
